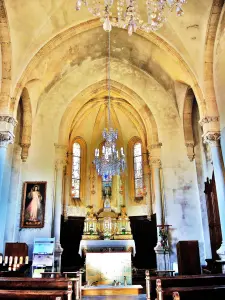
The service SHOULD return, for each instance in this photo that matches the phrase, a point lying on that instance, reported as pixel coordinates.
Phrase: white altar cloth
(85, 244)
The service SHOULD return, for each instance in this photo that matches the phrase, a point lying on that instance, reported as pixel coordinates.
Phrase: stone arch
(65, 35)
(6, 56)
(26, 124)
(209, 90)
(187, 123)
(124, 92)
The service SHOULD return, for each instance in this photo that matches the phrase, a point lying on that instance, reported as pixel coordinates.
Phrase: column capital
(155, 162)
(154, 146)
(8, 119)
(6, 138)
(210, 123)
(209, 119)
(7, 124)
(60, 163)
(212, 138)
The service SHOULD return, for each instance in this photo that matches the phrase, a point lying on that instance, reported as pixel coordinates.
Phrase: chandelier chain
(109, 83)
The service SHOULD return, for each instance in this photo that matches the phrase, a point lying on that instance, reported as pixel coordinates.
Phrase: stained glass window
(76, 170)
(138, 170)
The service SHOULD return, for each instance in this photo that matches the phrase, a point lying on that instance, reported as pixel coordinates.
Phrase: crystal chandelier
(111, 161)
(128, 13)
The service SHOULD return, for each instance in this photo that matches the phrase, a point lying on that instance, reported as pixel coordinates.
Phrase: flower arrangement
(163, 233)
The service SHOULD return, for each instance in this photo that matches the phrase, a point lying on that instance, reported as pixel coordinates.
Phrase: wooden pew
(35, 288)
(191, 287)
(197, 293)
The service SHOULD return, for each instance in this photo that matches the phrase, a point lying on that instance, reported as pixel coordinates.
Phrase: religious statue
(107, 205)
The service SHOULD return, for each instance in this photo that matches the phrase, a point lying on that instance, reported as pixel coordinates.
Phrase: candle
(26, 260)
(10, 260)
(21, 260)
(0, 259)
(6, 260)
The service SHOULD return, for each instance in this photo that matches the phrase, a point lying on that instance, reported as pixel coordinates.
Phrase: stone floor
(139, 297)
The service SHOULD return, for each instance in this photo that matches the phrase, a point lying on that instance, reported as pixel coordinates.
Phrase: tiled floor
(139, 297)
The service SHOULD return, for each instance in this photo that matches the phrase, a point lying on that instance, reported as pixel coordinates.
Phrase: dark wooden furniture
(188, 285)
(35, 288)
(16, 249)
(188, 258)
(213, 216)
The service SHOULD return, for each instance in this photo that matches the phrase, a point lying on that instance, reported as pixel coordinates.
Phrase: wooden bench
(198, 293)
(191, 287)
(35, 288)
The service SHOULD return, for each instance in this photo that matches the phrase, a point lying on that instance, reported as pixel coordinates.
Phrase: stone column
(7, 124)
(213, 139)
(162, 255)
(60, 164)
(12, 211)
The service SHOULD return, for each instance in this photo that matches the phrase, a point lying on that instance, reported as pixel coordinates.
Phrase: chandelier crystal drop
(129, 14)
(111, 162)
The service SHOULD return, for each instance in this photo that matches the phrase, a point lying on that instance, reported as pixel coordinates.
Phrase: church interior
(112, 149)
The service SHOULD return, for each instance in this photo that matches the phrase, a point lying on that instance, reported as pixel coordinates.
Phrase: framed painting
(33, 204)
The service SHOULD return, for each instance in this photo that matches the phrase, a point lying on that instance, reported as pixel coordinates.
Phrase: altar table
(100, 245)
(107, 267)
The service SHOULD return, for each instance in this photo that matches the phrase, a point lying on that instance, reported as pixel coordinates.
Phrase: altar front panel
(104, 268)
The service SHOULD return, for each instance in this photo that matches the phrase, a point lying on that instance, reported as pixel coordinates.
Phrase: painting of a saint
(33, 204)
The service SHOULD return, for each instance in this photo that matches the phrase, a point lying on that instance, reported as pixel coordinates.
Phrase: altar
(107, 244)
(108, 268)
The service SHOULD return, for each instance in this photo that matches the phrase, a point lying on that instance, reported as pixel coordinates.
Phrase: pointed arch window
(76, 171)
(138, 170)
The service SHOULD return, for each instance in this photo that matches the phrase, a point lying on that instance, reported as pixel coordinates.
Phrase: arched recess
(187, 123)
(6, 56)
(26, 124)
(84, 27)
(83, 169)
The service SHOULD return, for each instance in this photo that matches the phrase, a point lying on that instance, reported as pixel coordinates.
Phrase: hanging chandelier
(128, 13)
(111, 162)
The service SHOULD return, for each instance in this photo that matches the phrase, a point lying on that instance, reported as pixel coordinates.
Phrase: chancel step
(108, 290)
